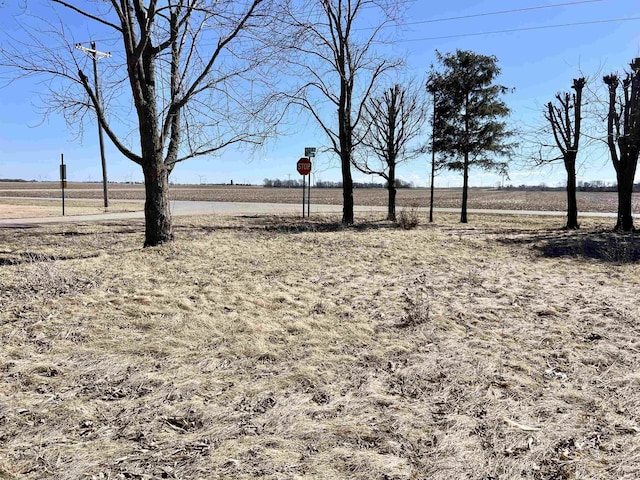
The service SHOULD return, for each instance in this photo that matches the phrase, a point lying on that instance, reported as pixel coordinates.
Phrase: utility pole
(432, 89)
(433, 160)
(95, 55)
(63, 178)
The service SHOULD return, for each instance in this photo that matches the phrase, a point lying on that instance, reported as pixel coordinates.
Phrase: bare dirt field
(272, 348)
(482, 198)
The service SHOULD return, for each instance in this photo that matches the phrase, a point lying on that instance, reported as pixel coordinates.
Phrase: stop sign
(304, 166)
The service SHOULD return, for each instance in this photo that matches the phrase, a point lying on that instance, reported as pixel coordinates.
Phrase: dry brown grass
(272, 348)
(19, 208)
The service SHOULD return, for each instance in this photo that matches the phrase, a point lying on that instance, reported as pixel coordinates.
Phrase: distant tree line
(600, 186)
(582, 186)
(278, 183)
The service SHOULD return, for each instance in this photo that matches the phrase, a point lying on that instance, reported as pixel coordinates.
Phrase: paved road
(188, 208)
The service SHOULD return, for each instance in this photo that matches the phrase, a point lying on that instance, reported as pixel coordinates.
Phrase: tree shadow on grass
(604, 245)
(35, 257)
(280, 224)
(13, 250)
(324, 227)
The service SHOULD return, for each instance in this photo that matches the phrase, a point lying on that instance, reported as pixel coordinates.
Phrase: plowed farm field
(481, 198)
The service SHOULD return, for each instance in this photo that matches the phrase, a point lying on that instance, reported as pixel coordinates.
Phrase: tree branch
(88, 15)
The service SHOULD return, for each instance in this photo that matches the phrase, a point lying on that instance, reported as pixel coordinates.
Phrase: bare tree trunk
(625, 194)
(572, 203)
(346, 142)
(158, 228)
(347, 189)
(465, 168)
(431, 202)
(433, 175)
(391, 187)
(391, 208)
(465, 188)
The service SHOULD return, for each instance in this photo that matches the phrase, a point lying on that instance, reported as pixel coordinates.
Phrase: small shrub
(417, 310)
(408, 218)
(47, 279)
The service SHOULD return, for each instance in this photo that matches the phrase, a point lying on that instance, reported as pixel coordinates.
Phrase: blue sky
(535, 60)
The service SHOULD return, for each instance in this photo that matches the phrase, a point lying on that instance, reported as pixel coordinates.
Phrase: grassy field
(486, 198)
(276, 349)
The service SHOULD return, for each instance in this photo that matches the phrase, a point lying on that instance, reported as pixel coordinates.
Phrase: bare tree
(623, 138)
(336, 57)
(392, 121)
(190, 68)
(564, 119)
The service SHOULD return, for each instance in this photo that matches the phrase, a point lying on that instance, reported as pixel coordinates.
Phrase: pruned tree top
(563, 117)
(623, 119)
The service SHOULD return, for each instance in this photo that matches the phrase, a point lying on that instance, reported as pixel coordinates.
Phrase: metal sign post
(63, 178)
(304, 189)
(309, 198)
(310, 153)
(304, 169)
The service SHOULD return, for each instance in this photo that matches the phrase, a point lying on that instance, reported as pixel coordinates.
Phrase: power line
(522, 29)
(502, 12)
(487, 14)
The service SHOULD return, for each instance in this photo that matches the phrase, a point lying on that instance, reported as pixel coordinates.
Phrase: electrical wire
(521, 29)
(487, 14)
(502, 12)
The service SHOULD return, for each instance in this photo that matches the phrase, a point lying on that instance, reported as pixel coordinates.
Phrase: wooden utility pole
(433, 159)
(63, 178)
(95, 55)
(432, 89)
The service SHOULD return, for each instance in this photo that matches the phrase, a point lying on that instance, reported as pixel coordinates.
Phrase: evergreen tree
(469, 129)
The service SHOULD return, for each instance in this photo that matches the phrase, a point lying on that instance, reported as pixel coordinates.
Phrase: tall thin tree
(435, 164)
(564, 118)
(334, 53)
(392, 121)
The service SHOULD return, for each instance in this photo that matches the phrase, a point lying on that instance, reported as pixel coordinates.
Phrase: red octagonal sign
(304, 166)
